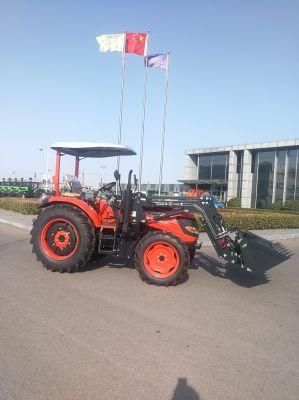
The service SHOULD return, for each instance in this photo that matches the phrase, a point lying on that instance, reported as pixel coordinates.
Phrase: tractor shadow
(241, 277)
(201, 260)
(208, 263)
(216, 268)
(107, 261)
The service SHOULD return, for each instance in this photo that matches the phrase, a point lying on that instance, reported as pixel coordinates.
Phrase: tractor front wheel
(63, 238)
(162, 259)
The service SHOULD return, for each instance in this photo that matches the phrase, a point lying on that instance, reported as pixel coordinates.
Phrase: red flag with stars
(136, 43)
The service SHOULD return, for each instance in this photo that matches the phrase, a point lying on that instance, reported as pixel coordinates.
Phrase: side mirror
(135, 181)
(116, 175)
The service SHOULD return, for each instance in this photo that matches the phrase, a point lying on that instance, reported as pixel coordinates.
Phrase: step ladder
(107, 240)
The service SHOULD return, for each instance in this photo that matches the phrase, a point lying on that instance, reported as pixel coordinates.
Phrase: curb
(281, 237)
(15, 224)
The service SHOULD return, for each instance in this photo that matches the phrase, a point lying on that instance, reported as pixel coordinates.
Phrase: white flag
(113, 42)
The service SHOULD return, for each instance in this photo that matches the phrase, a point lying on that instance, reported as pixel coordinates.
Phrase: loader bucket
(258, 254)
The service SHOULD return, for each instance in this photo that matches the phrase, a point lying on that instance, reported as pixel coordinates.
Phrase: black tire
(38, 192)
(180, 273)
(192, 252)
(77, 226)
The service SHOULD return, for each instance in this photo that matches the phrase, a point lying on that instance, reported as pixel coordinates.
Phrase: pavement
(25, 222)
(103, 334)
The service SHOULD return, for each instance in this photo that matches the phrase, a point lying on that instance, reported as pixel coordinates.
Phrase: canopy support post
(77, 166)
(57, 174)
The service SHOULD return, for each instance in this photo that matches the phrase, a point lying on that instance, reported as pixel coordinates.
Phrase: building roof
(264, 145)
(203, 181)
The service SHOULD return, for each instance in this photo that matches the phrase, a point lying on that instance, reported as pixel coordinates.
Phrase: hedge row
(233, 217)
(256, 219)
(22, 206)
(290, 205)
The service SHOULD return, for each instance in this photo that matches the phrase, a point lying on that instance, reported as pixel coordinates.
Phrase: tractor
(160, 239)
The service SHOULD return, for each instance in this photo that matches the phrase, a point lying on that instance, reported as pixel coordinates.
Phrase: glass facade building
(213, 167)
(275, 176)
(259, 174)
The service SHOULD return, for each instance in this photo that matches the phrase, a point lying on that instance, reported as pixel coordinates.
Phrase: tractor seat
(73, 186)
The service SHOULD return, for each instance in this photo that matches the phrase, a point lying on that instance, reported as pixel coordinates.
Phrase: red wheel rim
(59, 239)
(161, 259)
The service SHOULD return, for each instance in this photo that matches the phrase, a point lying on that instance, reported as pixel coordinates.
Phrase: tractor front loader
(160, 238)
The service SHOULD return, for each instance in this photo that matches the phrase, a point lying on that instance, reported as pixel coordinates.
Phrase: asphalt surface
(104, 334)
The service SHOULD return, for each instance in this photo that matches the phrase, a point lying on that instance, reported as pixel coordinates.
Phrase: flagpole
(143, 114)
(123, 69)
(163, 126)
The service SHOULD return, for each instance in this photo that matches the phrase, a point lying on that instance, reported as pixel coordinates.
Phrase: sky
(233, 78)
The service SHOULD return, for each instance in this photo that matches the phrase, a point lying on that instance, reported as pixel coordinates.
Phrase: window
(254, 171)
(254, 162)
(265, 178)
(205, 164)
(292, 175)
(280, 172)
(213, 166)
(219, 164)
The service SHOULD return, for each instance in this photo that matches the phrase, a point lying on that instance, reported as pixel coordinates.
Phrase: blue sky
(233, 78)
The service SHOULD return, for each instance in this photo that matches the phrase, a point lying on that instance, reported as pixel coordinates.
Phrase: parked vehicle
(160, 238)
(198, 193)
(20, 188)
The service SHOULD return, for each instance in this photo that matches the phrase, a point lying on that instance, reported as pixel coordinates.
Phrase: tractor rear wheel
(162, 259)
(63, 238)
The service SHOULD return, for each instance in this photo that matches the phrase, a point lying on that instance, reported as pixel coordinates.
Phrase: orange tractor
(160, 238)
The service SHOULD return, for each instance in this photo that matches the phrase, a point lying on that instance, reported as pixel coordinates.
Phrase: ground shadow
(264, 262)
(266, 255)
(216, 268)
(183, 391)
(101, 261)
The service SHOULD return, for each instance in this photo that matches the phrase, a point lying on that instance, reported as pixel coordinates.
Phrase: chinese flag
(136, 43)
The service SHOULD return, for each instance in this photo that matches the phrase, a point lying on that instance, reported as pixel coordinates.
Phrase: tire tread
(87, 229)
(182, 277)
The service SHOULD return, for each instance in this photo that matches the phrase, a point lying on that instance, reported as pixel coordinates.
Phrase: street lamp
(103, 167)
(47, 167)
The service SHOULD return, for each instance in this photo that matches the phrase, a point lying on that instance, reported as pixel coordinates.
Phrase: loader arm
(244, 249)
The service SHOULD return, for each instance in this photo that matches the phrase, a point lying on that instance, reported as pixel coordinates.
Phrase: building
(259, 174)
(152, 189)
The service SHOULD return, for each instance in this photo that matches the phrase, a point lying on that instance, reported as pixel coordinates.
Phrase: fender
(86, 208)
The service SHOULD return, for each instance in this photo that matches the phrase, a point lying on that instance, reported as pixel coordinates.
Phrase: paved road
(104, 334)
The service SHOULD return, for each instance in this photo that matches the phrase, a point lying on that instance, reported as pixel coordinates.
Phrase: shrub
(235, 202)
(276, 206)
(22, 206)
(291, 205)
(255, 219)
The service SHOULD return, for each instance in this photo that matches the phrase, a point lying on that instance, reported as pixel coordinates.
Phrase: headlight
(191, 229)
(189, 226)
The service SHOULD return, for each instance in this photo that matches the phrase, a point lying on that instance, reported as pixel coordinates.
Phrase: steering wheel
(107, 187)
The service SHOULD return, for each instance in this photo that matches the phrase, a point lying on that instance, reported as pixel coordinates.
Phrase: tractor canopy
(92, 150)
(81, 150)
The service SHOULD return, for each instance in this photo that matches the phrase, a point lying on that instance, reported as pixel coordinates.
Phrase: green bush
(256, 219)
(291, 205)
(276, 206)
(22, 206)
(235, 202)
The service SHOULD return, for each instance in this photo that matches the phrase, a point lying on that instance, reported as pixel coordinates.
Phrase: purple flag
(157, 61)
